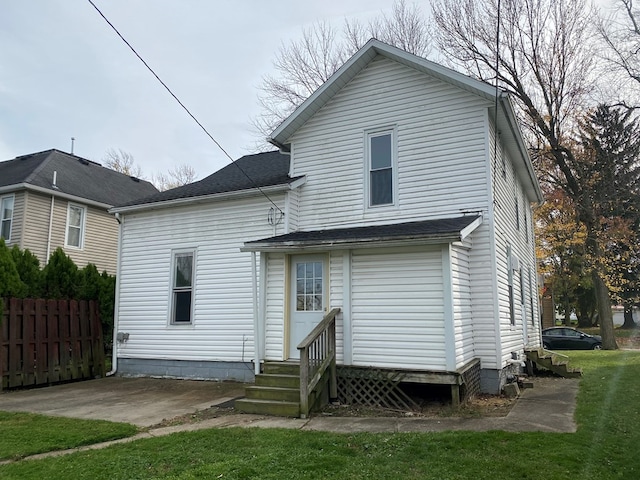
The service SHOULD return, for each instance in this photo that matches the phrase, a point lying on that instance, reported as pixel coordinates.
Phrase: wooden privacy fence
(49, 341)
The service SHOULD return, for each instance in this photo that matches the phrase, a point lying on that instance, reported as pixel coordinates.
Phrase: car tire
(545, 345)
(597, 346)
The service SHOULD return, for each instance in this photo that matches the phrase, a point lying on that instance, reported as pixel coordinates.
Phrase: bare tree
(177, 176)
(543, 59)
(620, 31)
(304, 65)
(122, 161)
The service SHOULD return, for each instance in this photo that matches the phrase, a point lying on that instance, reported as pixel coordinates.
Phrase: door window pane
(309, 286)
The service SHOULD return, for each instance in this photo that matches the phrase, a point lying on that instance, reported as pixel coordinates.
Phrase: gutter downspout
(116, 308)
(256, 336)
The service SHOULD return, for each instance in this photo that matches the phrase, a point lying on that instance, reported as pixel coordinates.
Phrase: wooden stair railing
(317, 354)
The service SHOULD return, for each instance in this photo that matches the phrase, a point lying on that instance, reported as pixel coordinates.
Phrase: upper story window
(75, 226)
(182, 287)
(381, 168)
(6, 216)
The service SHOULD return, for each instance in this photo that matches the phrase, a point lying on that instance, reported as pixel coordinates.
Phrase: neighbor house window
(75, 226)
(380, 166)
(6, 215)
(182, 288)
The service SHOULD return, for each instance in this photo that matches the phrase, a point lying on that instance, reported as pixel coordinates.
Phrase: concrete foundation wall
(183, 369)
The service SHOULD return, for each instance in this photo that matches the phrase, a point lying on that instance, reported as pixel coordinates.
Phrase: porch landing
(277, 389)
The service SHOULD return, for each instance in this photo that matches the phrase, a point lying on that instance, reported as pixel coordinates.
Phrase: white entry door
(308, 298)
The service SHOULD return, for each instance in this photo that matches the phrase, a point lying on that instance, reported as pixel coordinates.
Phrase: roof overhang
(216, 197)
(428, 232)
(53, 192)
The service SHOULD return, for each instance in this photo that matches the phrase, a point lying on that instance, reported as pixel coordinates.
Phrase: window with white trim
(381, 162)
(6, 216)
(183, 267)
(75, 226)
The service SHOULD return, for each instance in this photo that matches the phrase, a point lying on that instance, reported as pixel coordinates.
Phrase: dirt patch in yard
(481, 406)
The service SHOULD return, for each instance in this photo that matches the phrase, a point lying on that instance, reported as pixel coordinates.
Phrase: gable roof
(263, 170)
(75, 177)
(427, 231)
(507, 123)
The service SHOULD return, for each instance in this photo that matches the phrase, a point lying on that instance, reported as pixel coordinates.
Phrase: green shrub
(10, 283)
(28, 267)
(60, 277)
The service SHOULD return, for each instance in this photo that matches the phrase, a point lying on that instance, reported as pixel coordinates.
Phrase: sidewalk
(548, 407)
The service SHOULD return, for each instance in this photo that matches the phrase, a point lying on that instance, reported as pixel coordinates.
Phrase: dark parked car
(565, 338)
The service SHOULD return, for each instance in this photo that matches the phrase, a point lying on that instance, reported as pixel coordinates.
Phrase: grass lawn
(24, 434)
(605, 446)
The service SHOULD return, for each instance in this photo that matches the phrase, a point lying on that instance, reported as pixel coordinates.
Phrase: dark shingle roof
(262, 169)
(75, 176)
(447, 228)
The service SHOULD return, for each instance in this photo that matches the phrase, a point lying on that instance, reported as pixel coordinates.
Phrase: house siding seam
(223, 308)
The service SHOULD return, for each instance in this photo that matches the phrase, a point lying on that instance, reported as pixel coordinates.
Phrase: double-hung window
(380, 168)
(75, 226)
(182, 288)
(6, 216)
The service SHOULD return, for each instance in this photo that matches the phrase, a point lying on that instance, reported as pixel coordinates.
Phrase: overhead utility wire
(182, 104)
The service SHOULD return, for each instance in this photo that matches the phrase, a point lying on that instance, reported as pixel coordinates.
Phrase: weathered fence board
(49, 341)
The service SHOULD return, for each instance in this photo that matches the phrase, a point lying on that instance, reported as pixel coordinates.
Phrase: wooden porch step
(553, 362)
(281, 394)
(268, 407)
(278, 380)
(281, 368)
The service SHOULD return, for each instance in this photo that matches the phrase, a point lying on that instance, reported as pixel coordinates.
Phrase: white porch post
(256, 323)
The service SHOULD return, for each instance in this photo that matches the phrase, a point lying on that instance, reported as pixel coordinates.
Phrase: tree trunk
(604, 312)
(628, 317)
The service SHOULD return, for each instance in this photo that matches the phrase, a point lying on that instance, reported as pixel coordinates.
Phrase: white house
(401, 195)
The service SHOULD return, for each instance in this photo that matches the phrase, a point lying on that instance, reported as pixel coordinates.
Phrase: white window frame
(173, 290)
(3, 200)
(83, 221)
(368, 135)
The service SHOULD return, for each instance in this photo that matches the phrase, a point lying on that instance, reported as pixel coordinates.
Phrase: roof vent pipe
(55, 180)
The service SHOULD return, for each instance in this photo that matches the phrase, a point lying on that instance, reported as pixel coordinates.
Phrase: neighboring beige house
(54, 199)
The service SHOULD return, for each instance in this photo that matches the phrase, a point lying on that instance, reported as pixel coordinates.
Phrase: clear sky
(64, 73)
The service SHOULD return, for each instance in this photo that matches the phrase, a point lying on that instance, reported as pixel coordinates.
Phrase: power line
(182, 104)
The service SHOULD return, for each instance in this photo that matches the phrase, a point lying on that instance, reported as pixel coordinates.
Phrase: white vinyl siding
(223, 301)
(440, 133)
(275, 307)
(398, 309)
(511, 241)
(462, 307)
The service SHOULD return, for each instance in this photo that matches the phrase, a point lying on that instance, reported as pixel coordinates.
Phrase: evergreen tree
(60, 277)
